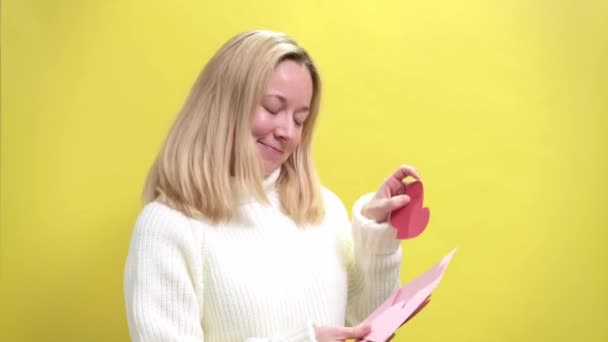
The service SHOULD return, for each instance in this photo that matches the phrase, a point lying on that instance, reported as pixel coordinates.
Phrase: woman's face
(279, 117)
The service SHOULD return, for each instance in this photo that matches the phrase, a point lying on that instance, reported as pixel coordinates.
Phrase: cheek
(296, 141)
(258, 124)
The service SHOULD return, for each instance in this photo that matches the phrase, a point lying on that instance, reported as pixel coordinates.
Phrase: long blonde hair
(208, 160)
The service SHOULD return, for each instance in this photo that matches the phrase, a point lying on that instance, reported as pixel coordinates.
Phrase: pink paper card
(411, 220)
(405, 302)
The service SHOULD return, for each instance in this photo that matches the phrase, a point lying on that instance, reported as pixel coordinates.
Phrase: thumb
(397, 202)
(357, 332)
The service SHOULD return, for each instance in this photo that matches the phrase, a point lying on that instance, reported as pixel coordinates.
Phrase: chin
(268, 169)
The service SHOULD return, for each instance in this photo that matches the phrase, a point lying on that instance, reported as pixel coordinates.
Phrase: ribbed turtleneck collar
(268, 184)
(270, 180)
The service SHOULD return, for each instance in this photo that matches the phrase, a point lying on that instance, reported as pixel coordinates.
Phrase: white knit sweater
(258, 279)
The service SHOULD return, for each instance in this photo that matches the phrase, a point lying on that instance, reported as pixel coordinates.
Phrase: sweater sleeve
(374, 256)
(163, 278)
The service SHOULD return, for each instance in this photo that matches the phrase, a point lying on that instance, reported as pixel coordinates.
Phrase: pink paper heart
(411, 220)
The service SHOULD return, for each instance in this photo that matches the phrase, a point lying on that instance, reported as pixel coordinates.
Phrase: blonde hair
(209, 161)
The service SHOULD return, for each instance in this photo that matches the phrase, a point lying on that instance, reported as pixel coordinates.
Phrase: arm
(376, 253)
(375, 260)
(164, 282)
(163, 278)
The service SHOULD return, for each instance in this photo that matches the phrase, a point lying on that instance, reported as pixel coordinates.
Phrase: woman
(238, 241)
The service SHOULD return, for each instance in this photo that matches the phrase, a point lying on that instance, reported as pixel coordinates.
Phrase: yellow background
(501, 105)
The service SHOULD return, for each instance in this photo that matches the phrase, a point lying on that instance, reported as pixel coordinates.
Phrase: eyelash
(270, 111)
(299, 124)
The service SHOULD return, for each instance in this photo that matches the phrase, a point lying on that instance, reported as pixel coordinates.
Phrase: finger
(356, 332)
(401, 190)
(397, 202)
(404, 171)
(397, 187)
(394, 187)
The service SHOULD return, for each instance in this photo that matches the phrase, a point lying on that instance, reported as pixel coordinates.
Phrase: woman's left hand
(390, 196)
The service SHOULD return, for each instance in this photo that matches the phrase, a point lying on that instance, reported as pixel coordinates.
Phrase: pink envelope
(405, 302)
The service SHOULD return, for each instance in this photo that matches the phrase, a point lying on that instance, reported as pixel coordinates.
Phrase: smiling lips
(274, 149)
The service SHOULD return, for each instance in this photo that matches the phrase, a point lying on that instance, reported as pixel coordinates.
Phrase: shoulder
(330, 198)
(163, 239)
(159, 221)
(333, 204)
(156, 212)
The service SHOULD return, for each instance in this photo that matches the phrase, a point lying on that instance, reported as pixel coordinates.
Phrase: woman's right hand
(329, 333)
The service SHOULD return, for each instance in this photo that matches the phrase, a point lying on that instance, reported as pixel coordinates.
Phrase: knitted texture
(258, 278)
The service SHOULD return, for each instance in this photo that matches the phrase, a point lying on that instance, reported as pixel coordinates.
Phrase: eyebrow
(284, 100)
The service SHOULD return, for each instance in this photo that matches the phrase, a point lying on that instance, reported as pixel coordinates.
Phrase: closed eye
(274, 112)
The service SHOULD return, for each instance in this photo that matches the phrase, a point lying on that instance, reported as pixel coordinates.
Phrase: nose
(286, 127)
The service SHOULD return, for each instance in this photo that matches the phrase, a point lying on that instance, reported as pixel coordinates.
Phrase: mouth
(271, 147)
